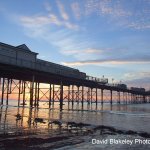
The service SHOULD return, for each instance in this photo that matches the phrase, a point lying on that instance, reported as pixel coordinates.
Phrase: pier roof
(22, 47)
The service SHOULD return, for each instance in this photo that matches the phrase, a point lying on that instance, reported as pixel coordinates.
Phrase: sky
(99, 37)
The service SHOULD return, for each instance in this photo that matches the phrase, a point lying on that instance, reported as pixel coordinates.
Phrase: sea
(44, 122)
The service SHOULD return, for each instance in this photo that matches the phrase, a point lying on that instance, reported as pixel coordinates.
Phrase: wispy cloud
(106, 7)
(76, 10)
(87, 51)
(115, 56)
(48, 7)
(62, 38)
(141, 74)
(114, 61)
(42, 20)
(70, 25)
(117, 12)
(33, 21)
(138, 25)
(62, 11)
(54, 19)
(38, 20)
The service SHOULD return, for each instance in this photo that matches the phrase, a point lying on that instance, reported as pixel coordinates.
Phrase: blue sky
(99, 37)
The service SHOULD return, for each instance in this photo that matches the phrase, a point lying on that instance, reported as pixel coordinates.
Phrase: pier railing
(99, 80)
(17, 62)
(27, 64)
(78, 90)
(47, 68)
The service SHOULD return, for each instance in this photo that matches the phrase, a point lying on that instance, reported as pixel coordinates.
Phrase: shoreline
(67, 137)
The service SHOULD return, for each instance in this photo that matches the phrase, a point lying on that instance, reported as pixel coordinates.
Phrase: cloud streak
(48, 7)
(114, 61)
(76, 10)
(40, 21)
(133, 75)
(87, 51)
(50, 18)
(62, 11)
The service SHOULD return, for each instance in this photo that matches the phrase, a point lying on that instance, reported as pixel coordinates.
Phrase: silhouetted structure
(19, 66)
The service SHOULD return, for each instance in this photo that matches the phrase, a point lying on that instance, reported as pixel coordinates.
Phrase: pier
(22, 73)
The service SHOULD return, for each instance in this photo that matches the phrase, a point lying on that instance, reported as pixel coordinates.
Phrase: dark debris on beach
(66, 136)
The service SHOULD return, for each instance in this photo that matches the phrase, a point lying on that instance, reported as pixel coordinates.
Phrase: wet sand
(69, 136)
(24, 128)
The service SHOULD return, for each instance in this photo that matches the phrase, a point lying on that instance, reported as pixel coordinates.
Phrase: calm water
(134, 117)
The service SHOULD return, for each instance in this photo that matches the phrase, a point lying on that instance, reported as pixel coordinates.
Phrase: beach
(74, 128)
